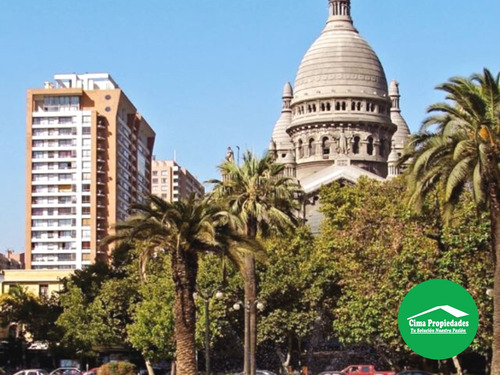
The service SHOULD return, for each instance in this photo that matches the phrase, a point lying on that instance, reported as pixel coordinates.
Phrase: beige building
(41, 283)
(172, 182)
(88, 158)
(340, 120)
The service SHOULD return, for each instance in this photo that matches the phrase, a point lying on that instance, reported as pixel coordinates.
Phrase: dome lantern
(339, 14)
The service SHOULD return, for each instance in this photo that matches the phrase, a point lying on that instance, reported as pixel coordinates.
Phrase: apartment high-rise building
(88, 158)
(172, 182)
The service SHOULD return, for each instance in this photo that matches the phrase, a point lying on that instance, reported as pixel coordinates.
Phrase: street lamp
(207, 296)
(249, 365)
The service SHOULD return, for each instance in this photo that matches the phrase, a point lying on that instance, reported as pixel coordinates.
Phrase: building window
(325, 146)
(382, 147)
(43, 290)
(310, 147)
(164, 173)
(164, 180)
(301, 149)
(164, 188)
(85, 210)
(355, 146)
(369, 146)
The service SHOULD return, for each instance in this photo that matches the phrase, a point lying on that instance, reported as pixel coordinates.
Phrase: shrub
(117, 368)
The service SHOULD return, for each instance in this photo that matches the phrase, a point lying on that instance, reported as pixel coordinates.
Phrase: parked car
(365, 370)
(66, 371)
(332, 373)
(414, 372)
(35, 371)
(92, 371)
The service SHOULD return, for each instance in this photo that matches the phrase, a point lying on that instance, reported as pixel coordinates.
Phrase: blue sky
(207, 74)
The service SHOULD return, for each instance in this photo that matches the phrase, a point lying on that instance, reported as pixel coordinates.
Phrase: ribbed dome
(340, 63)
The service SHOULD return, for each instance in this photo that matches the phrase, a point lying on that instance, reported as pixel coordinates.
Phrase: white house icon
(450, 310)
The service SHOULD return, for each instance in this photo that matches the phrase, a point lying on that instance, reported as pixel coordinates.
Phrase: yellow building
(38, 282)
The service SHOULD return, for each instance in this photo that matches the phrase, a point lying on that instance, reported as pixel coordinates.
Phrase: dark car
(66, 371)
(414, 372)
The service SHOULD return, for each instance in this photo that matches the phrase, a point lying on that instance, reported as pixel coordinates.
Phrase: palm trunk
(149, 367)
(457, 365)
(250, 304)
(495, 244)
(184, 270)
(250, 315)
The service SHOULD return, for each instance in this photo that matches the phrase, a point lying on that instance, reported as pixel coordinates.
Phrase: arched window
(323, 107)
(337, 106)
(355, 146)
(301, 149)
(353, 106)
(369, 146)
(314, 107)
(381, 149)
(328, 107)
(358, 106)
(344, 106)
(325, 146)
(310, 147)
(309, 109)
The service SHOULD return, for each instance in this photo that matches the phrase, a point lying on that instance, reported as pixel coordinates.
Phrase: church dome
(340, 62)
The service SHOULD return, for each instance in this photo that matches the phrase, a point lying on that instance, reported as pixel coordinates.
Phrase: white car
(35, 371)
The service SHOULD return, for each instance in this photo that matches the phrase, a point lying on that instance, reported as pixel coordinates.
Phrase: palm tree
(184, 230)
(264, 200)
(458, 148)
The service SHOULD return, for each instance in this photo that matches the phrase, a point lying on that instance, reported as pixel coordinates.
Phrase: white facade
(61, 178)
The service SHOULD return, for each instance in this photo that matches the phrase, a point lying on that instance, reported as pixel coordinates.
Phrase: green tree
(458, 149)
(379, 254)
(380, 250)
(264, 201)
(184, 230)
(298, 288)
(151, 331)
(34, 315)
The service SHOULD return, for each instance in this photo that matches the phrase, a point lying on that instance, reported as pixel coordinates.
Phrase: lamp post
(249, 364)
(207, 296)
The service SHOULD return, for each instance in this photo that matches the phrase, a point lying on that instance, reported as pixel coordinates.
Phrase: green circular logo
(438, 319)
